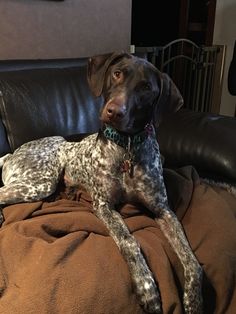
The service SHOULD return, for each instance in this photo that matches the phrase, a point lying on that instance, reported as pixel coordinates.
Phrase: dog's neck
(126, 140)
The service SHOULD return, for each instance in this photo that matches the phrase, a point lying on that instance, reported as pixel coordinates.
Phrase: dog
(120, 163)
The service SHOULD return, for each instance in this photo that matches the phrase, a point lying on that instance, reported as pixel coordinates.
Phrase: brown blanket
(56, 257)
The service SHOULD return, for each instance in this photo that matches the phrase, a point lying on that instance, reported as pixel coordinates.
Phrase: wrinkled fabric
(56, 257)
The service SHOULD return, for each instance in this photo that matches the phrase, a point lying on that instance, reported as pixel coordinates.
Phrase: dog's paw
(149, 297)
(147, 292)
(144, 284)
(192, 304)
(192, 301)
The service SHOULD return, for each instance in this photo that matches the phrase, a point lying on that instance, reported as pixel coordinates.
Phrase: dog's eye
(144, 87)
(147, 87)
(117, 74)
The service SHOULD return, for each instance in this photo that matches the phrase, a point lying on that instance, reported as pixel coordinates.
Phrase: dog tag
(127, 166)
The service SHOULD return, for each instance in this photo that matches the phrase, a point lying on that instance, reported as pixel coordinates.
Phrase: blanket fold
(57, 257)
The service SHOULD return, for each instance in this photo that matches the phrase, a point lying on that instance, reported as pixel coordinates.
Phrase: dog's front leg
(155, 198)
(142, 277)
(172, 229)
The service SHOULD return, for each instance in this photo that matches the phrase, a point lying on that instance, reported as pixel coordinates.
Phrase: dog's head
(135, 92)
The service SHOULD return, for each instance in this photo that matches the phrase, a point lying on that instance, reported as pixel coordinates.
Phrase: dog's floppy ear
(170, 99)
(97, 67)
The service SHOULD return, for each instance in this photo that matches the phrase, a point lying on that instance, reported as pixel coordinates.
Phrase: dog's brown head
(135, 92)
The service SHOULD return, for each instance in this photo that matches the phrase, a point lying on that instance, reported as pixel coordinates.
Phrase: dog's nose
(116, 109)
(114, 112)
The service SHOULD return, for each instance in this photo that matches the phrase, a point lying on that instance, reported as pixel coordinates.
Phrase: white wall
(225, 34)
(39, 29)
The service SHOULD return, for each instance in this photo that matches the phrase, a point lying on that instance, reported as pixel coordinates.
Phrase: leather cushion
(44, 102)
(206, 141)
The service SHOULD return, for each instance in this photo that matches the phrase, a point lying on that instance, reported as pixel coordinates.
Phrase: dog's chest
(111, 169)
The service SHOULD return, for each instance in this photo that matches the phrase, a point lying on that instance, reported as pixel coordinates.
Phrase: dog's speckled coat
(131, 88)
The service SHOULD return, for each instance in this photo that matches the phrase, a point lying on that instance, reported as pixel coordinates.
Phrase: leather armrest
(206, 141)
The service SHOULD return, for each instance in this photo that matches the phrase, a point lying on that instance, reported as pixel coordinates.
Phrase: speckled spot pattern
(130, 87)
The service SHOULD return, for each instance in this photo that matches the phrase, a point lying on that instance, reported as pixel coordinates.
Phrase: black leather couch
(56, 257)
(43, 98)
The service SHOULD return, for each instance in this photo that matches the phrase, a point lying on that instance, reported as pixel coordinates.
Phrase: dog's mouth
(120, 127)
(115, 114)
(125, 115)
(124, 127)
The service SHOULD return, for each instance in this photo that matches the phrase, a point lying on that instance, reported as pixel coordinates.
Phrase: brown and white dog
(121, 163)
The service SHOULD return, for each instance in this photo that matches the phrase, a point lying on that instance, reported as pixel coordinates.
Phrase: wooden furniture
(157, 24)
